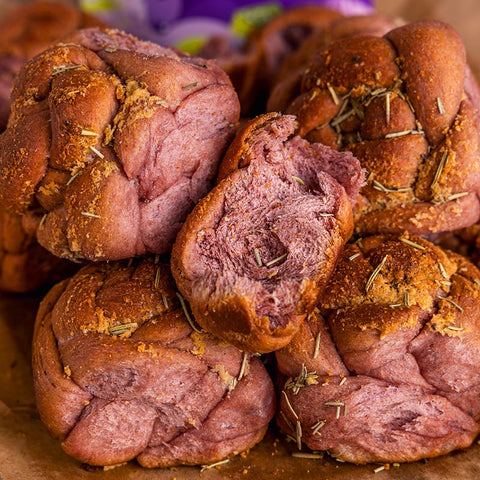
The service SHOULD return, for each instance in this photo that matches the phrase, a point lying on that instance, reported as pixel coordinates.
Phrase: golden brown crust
(96, 142)
(119, 373)
(400, 274)
(238, 151)
(394, 375)
(410, 117)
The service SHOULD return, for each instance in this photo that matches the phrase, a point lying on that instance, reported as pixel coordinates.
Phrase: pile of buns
(315, 231)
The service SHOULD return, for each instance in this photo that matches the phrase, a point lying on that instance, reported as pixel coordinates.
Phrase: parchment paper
(28, 452)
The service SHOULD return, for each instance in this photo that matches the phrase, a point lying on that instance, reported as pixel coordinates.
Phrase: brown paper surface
(28, 452)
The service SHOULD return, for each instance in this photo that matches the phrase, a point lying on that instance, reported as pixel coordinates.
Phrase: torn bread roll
(256, 252)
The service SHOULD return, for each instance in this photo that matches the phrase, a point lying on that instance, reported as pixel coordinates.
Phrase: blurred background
(464, 15)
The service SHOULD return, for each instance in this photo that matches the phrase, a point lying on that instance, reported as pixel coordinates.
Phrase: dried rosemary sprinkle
(339, 406)
(289, 405)
(303, 379)
(63, 68)
(440, 168)
(438, 200)
(124, 327)
(243, 368)
(319, 425)
(410, 104)
(456, 196)
(343, 107)
(326, 215)
(358, 111)
(335, 99)
(477, 281)
(232, 384)
(42, 221)
(157, 278)
(298, 432)
(339, 138)
(96, 152)
(313, 456)
(165, 301)
(344, 379)
(379, 469)
(354, 256)
(187, 314)
(387, 107)
(376, 92)
(298, 180)
(397, 84)
(406, 298)
(317, 345)
(287, 421)
(395, 305)
(163, 103)
(72, 178)
(440, 106)
(403, 133)
(257, 257)
(110, 50)
(88, 133)
(322, 125)
(374, 274)
(456, 329)
(455, 304)
(289, 438)
(88, 214)
(382, 188)
(412, 244)
(213, 465)
(442, 270)
(189, 86)
(275, 260)
(341, 118)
